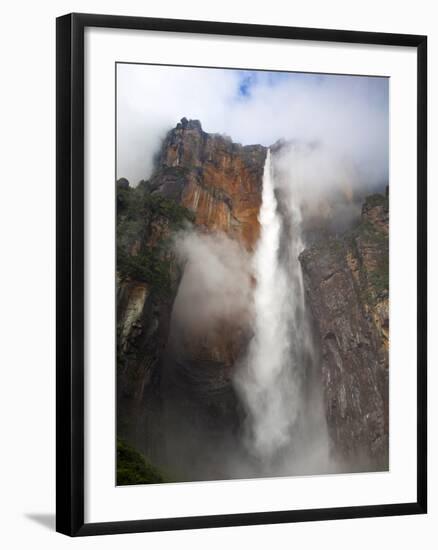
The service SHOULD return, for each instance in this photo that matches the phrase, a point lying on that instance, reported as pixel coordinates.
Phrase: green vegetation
(370, 233)
(161, 207)
(124, 196)
(379, 278)
(134, 469)
(377, 199)
(149, 267)
(376, 240)
(143, 217)
(140, 203)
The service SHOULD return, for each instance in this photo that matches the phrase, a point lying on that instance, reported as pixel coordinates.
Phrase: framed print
(241, 274)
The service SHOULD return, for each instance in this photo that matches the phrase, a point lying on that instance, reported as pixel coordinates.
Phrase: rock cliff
(183, 388)
(175, 398)
(346, 281)
(220, 181)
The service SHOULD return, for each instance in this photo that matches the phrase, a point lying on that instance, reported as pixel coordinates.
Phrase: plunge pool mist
(285, 431)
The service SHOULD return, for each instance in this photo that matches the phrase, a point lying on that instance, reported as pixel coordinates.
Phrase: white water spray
(271, 377)
(268, 391)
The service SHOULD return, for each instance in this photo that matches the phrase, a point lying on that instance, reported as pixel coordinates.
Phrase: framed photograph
(241, 274)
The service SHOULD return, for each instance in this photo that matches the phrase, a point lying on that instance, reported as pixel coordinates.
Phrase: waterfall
(271, 378)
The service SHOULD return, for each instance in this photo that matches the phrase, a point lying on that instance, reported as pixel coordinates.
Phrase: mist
(326, 187)
(346, 116)
(228, 295)
(278, 379)
(270, 395)
(328, 140)
(215, 291)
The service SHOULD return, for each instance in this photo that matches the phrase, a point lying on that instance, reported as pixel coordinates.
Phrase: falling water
(271, 378)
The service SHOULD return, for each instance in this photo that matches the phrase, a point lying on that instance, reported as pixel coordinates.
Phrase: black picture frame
(70, 273)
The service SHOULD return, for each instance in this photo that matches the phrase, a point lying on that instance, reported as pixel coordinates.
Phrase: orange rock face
(223, 181)
(236, 217)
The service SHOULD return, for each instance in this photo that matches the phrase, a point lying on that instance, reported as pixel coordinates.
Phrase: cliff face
(147, 281)
(181, 389)
(220, 181)
(346, 281)
(175, 397)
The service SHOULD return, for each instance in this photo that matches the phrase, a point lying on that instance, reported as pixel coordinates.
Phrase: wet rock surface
(175, 397)
(346, 283)
(165, 394)
(220, 181)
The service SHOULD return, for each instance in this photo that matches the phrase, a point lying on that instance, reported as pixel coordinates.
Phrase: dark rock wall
(167, 401)
(180, 409)
(346, 282)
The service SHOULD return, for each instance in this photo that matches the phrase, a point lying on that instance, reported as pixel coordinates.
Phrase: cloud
(152, 99)
(348, 115)
(338, 132)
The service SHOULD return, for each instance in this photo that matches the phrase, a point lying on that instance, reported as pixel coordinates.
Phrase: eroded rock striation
(220, 181)
(175, 398)
(167, 390)
(346, 281)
